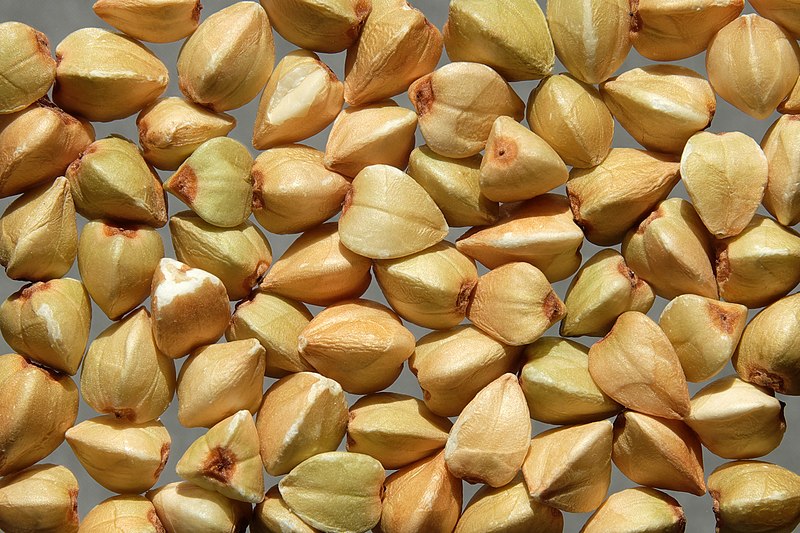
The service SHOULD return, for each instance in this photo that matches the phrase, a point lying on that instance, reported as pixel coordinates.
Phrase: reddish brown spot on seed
(628, 273)
(124, 414)
(258, 182)
(722, 319)
(29, 290)
(110, 230)
(655, 215)
(220, 464)
(164, 458)
(72, 518)
(765, 378)
(553, 308)
(575, 206)
(422, 96)
(792, 117)
(636, 18)
(253, 278)
(348, 201)
(184, 184)
(723, 266)
(196, 11)
(504, 151)
(42, 44)
(152, 517)
(464, 295)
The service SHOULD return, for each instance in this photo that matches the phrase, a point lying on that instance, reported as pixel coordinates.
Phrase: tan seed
(558, 387)
(395, 429)
(569, 468)
(49, 322)
(121, 456)
(135, 252)
(301, 98)
(753, 495)
(302, 415)
(106, 76)
(184, 507)
(170, 129)
(667, 31)
(768, 352)
(219, 380)
(636, 365)
(511, 36)
(337, 23)
(592, 39)
(540, 231)
(782, 195)
(37, 144)
(737, 420)
(457, 105)
(658, 452)
(604, 288)
(611, 198)
(454, 184)
(551, 108)
(376, 225)
(317, 269)
(397, 45)
(157, 21)
(39, 233)
(515, 304)
(637, 509)
(704, 333)
(226, 62)
(452, 366)
(28, 70)
(380, 133)
(490, 438)
(359, 343)
(431, 288)
(289, 176)
(40, 498)
(753, 64)
(125, 374)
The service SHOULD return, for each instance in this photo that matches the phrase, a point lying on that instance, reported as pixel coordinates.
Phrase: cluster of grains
(376, 203)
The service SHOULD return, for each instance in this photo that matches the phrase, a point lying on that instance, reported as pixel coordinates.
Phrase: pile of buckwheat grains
(352, 265)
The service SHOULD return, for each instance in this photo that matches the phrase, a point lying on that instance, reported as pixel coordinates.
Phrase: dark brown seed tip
(184, 184)
(220, 464)
(422, 94)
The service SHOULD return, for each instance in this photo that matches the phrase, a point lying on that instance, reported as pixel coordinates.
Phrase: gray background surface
(58, 18)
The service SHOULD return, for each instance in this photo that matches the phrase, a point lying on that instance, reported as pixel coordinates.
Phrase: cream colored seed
(226, 459)
(380, 133)
(39, 498)
(26, 68)
(284, 177)
(170, 129)
(226, 62)
(301, 415)
(157, 21)
(301, 98)
(106, 76)
(123, 513)
(238, 256)
(135, 250)
(183, 507)
(455, 186)
(123, 457)
(37, 144)
(219, 380)
(39, 233)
